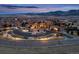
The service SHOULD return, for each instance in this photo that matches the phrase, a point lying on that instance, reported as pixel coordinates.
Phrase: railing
(36, 43)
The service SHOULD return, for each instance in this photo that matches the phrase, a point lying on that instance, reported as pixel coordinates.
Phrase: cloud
(13, 6)
(29, 10)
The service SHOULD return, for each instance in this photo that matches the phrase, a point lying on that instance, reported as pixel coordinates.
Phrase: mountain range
(57, 13)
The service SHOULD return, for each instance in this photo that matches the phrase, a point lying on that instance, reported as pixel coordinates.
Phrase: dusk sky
(35, 8)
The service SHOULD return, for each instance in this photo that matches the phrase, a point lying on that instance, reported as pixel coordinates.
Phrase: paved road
(32, 43)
